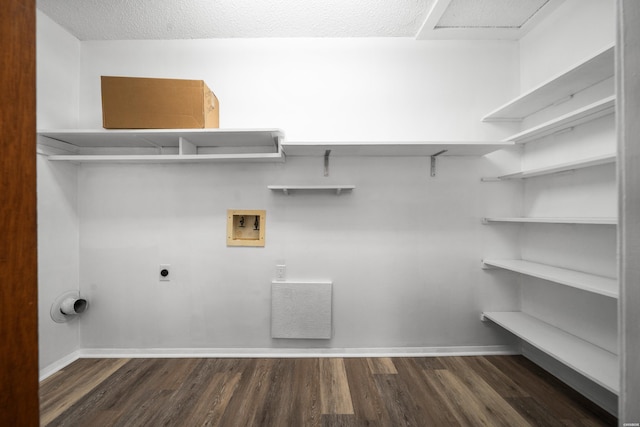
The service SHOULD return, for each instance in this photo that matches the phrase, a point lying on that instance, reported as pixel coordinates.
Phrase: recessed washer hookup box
(151, 103)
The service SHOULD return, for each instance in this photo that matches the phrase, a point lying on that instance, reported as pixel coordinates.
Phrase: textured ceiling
(187, 19)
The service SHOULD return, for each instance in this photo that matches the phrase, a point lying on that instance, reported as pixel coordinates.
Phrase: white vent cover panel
(489, 14)
(301, 310)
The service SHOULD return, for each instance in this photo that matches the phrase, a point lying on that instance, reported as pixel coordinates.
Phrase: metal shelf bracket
(326, 162)
(433, 161)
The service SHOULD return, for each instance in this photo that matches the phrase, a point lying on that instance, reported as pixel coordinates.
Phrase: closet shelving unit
(586, 358)
(164, 145)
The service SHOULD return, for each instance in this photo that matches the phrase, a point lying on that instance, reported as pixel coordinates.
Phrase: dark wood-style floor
(435, 391)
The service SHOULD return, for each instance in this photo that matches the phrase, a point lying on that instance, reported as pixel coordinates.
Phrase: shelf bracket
(488, 267)
(433, 161)
(326, 162)
(186, 147)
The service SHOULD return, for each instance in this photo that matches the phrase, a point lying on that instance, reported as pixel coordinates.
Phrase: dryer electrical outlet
(164, 272)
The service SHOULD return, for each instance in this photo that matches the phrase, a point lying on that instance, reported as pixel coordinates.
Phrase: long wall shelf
(208, 145)
(400, 148)
(583, 75)
(577, 117)
(563, 167)
(165, 145)
(167, 158)
(531, 220)
(595, 363)
(575, 279)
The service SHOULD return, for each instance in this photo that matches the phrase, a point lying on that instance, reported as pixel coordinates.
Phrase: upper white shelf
(583, 75)
(417, 148)
(562, 167)
(595, 363)
(167, 145)
(287, 189)
(531, 220)
(575, 279)
(582, 115)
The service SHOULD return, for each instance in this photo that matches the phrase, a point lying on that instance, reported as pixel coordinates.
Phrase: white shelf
(581, 76)
(595, 363)
(563, 167)
(582, 115)
(576, 279)
(400, 148)
(168, 158)
(165, 145)
(526, 220)
(287, 189)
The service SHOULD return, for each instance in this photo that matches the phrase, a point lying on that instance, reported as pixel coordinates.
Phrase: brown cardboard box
(144, 103)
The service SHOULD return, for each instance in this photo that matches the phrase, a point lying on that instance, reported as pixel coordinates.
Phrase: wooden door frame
(19, 404)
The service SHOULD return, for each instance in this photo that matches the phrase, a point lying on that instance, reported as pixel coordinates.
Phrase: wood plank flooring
(434, 391)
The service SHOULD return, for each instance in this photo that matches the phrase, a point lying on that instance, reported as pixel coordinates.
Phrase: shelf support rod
(326, 162)
(433, 161)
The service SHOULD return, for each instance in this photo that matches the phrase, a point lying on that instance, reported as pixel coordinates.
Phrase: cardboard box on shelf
(151, 103)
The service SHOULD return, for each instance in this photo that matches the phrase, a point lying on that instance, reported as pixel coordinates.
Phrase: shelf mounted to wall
(163, 145)
(562, 87)
(600, 285)
(548, 220)
(559, 168)
(595, 363)
(431, 149)
(287, 189)
(567, 122)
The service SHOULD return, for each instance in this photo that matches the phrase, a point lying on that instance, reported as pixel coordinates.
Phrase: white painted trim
(428, 30)
(628, 128)
(59, 364)
(432, 19)
(298, 352)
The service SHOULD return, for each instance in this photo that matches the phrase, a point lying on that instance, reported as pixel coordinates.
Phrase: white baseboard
(273, 353)
(299, 352)
(59, 364)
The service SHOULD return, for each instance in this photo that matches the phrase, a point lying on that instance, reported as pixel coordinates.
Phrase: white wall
(403, 249)
(325, 89)
(58, 59)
